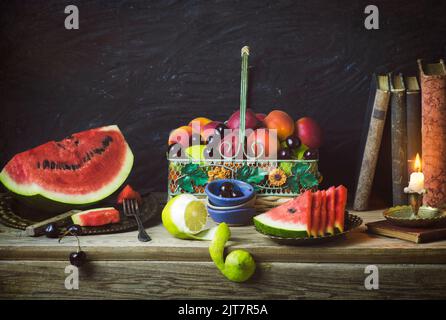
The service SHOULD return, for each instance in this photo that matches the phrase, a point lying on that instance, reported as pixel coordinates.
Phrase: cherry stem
(77, 238)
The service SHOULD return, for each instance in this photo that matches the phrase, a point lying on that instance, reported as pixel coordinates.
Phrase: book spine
(371, 150)
(413, 106)
(399, 144)
(433, 135)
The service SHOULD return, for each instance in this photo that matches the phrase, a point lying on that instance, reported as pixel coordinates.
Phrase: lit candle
(416, 182)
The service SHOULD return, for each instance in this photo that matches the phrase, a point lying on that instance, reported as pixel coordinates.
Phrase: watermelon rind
(36, 196)
(283, 229)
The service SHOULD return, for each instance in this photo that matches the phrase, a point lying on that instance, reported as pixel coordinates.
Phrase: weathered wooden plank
(175, 280)
(357, 247)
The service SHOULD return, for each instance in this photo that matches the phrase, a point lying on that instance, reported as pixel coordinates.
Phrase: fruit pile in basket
(272, 136)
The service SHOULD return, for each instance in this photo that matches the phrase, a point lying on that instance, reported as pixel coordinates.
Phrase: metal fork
(131, 209)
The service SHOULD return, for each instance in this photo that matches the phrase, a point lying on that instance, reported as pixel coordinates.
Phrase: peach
(199, 123)
(280, 121)
(181, 135)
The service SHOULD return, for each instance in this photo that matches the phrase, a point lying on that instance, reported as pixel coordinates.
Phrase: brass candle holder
(415, 201)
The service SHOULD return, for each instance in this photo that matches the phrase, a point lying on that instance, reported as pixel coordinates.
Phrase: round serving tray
(351, 222)
(12, 214)
(404, 217)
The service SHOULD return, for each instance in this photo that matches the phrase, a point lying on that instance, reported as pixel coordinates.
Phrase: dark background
(151, 66)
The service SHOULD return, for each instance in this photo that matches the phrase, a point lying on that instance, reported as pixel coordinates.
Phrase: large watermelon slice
(323, 220)
(290, 220)
(82, 169)
(341, 201)
(316, 213)
(331, 213)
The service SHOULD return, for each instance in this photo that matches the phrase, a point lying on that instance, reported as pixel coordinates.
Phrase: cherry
(175, 151)
(75, 230)
(226, 187)
(52, 231)
(221, 129)
(292, 142)
(311, 154)
(236, 194)
(78, 258)
(284, 154)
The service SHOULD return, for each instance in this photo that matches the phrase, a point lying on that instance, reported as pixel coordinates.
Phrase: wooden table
(122, 267)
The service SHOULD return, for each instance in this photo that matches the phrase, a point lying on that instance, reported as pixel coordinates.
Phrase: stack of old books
(416, 128)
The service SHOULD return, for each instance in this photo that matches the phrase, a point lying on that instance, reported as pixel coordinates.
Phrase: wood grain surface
(121, 267)
(202, 280)
(151, 66)
(356, 247)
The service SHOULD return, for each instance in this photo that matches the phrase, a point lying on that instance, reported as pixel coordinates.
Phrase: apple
(309, 132)
(262, 143)
(250, 120)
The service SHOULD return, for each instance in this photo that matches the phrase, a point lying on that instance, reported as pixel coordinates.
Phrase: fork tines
(130, 207)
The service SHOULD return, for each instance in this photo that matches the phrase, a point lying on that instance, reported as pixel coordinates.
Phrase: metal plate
(12, 216)
(403, 216)
(351, 222)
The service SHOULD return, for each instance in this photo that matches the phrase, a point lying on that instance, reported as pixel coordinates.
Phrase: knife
(38, 228)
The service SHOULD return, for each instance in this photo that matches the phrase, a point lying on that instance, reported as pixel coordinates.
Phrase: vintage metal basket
(275, 181)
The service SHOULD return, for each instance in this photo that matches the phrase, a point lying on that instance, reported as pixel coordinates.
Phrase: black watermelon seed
(292, 210)
(76, 142)
(46, 164)
(73, 167)
(53, 164)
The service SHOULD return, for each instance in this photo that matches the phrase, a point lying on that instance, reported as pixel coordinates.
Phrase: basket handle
(243, 96)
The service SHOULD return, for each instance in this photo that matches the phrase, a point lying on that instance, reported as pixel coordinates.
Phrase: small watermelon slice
(96, 217)
(331, 213)
(323, 220)
(316, 213)
(290, 220)
(341, 201)
(128, 193)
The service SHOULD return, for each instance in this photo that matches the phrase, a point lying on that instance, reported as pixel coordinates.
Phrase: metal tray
(14, 215)
(404, 217)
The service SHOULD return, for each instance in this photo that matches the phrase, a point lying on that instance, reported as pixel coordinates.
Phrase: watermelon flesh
(82, 169)
(310, 214)
(341, 201)
(331, 198)
(96, 217)
(128, 193)
(323, 215)
(289, 220)
(316, 213)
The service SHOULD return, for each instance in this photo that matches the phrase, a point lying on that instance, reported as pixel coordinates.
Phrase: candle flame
(417, 164)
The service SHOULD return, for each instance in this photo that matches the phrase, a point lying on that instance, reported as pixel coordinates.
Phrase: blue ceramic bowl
(248, 204)
(213, 192)
(242, 216)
